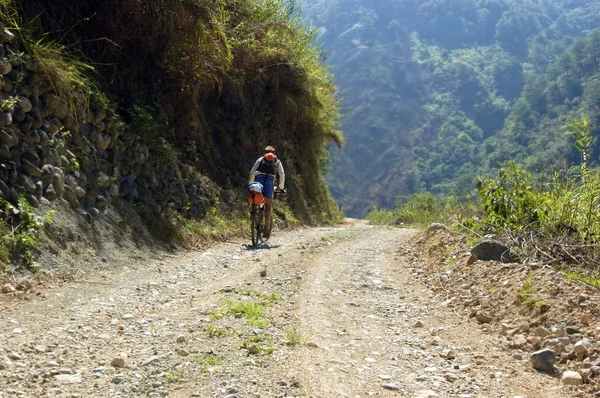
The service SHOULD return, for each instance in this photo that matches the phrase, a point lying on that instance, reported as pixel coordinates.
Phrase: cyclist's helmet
(269, 153)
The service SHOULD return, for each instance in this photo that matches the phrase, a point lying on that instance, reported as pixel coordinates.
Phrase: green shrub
(20, 228)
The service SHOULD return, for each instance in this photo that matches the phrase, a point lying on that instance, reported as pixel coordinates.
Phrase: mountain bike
(260, 233)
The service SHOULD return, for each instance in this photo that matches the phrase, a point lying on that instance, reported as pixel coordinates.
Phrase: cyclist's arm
(281, 176)
(253, 171)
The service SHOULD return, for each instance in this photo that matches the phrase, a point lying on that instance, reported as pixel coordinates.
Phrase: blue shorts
(267, 182)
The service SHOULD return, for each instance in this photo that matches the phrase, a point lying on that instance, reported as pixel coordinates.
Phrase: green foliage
(509, 201)
(214, 331)
(439, 92)
(295, 337)
(580, 131)
(20, 227)
(591, 278)
(422, 209)
(251, 310)
(209, 363)
(72, 79)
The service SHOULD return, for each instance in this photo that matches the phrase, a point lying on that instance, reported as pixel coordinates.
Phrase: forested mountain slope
(438, 92)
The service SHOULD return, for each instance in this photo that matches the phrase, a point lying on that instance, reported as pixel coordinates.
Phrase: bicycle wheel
(266, 234)
(255, 225)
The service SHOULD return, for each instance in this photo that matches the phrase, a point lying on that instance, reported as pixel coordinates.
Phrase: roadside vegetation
(20, 228)
(552, 218)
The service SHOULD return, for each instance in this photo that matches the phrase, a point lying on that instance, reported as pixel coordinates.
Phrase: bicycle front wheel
(254, 225)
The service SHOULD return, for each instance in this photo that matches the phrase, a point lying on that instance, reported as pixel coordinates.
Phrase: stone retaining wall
(54, 148)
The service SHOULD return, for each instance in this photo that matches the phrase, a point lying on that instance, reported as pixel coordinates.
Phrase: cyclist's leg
(268, 207)
(268, 192)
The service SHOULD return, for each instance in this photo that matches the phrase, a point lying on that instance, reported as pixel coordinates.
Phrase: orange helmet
(269, 156)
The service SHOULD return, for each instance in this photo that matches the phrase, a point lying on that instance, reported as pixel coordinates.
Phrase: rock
(7, 288)
(586, 375)
(101, 202)
(14, 356)
(4, 151)
(58, 182)
(543, 360)
(150, 360)
(583, 348)
(25, 104)
(491, 250)
(557, 345)
(50, 193)
(33, 201)
(8, 36)
(419, 324)
(181, 339)
(571, 378)
(584, 320)
(68, 379)
(436, 227)
(570, 330)
(541, 331)
(69, 196)
(482, 317)
(425, 394)
(390, 386)
(448, 354)
(7, 139)
(5, 67)
(121, 361)
(94, 212)
(79, 192)
(118, 380)
(472, 259)
(30, 169)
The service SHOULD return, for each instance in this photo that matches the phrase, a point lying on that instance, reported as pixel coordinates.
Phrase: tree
(508, 77)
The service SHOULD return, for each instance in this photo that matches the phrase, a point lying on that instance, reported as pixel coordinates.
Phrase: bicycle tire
(266, 238)
(254, 225)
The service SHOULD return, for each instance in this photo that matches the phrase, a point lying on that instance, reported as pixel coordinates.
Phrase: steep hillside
(433, 90)
(161, 105)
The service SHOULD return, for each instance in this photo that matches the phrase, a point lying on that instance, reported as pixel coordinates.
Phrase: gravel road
(319, 312)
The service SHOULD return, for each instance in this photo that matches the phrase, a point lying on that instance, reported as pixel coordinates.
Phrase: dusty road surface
(337, 314)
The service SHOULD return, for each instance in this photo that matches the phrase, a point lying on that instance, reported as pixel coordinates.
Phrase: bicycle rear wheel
(266, 234)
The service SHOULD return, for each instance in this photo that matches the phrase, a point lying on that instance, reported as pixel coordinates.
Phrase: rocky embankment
(537, 314)
(54, 147)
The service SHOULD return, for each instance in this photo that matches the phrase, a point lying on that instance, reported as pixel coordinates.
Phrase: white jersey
(278, 169)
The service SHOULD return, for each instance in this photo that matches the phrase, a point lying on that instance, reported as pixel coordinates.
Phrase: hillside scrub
(440, 92)
(554, 220)
(229, 77)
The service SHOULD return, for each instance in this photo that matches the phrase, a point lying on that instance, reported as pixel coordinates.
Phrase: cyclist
(264, 171)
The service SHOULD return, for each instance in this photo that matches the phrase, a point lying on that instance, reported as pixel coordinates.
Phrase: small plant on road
(295, 337)
(214, 331)
(251, 310)
(174, 377)
(210, 363)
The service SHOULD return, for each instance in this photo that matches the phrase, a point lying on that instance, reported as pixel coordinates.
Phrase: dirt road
(338, 314)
